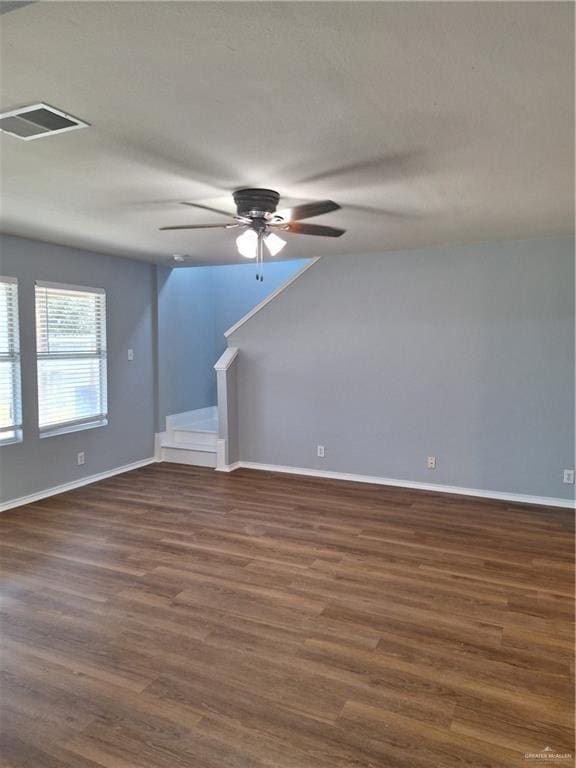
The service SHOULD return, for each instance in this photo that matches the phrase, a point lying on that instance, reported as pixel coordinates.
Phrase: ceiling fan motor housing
(256, 201)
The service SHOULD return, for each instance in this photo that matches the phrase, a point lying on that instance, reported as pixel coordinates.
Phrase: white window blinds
(10, 402)
(71, 346)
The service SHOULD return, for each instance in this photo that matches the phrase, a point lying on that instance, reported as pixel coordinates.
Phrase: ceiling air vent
(38, 121)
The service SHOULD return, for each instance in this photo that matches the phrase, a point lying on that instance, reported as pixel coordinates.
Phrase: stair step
(179, 455)
(193, 437)
(189, 446)
(209, 426)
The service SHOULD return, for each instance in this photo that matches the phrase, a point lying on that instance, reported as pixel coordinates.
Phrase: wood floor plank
(174, 617)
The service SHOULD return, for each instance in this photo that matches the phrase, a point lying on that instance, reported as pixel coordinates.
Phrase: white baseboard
(159, 438)
(229, 467)
(516, 498)
(39, 495)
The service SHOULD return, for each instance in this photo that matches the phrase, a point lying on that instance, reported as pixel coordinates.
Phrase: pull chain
(260, 258)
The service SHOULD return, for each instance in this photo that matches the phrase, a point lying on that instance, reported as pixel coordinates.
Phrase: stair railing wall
(226, 374)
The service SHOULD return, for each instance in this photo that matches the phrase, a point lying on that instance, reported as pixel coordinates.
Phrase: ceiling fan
(256, 214)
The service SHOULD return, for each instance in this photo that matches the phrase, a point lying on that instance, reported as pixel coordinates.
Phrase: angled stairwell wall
(462, 353)
(195, 306)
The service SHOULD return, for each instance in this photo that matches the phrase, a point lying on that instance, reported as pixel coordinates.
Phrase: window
(71, 344)
(10, 402)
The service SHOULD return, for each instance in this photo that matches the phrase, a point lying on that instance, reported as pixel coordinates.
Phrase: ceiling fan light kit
(247, 244)
(256, 213)
(274, 243)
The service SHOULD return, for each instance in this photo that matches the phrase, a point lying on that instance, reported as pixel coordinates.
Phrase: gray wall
(463, 353)
(195, 307)
(36, 464)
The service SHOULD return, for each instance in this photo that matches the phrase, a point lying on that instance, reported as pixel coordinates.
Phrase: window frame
(90, 422)
(13, 356)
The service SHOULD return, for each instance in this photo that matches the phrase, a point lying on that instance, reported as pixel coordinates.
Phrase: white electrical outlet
(130, 354)
(81, 458)
(568, 476)
(320, 451)
(431, 462)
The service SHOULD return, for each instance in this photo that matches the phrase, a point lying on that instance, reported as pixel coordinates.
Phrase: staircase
(190, 438)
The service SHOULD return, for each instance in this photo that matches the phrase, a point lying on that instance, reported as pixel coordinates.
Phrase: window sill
(11, 440)
(64, 430)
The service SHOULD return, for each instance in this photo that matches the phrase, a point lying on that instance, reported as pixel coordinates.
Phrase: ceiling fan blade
(208, 208)
(201, 226)
(311, 229)
(390, 167)
(308, 210)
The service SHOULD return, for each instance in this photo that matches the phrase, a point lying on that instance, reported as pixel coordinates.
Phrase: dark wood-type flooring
(174, 617)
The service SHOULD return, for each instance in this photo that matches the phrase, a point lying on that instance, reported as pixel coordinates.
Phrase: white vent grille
(37, 121)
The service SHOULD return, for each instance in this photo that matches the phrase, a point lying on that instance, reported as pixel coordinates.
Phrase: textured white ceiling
(429, 123)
